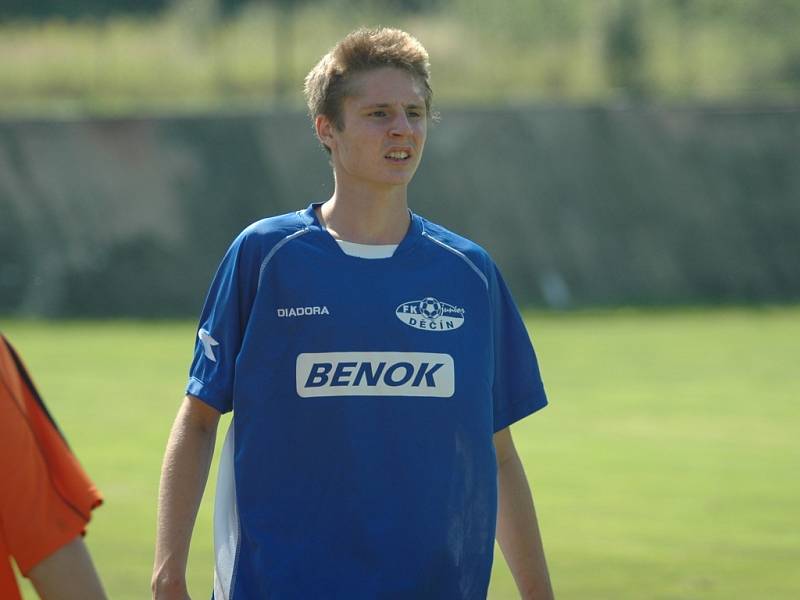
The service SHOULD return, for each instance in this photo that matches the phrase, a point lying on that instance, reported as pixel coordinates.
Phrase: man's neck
(366, 218)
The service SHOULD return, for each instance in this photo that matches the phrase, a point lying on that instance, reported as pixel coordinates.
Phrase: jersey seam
(459, 254)
(277, 247)
(235, 570)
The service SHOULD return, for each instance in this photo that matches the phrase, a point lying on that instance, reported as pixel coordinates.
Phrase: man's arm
(183, 479)
(517, 528)
(67, 574)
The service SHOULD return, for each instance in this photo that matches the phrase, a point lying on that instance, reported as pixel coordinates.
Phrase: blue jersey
(365, 393)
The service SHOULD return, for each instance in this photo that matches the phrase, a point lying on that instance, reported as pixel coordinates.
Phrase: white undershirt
(367, 250)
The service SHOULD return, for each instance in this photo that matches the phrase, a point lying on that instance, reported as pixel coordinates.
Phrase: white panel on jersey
(375, 374)
(226, 521)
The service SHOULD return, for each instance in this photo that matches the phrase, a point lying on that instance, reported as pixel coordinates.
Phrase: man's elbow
(199, 415)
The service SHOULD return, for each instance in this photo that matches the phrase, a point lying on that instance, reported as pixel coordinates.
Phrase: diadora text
(303, 311)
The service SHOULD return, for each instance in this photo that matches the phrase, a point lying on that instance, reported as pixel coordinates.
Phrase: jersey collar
(412, 236)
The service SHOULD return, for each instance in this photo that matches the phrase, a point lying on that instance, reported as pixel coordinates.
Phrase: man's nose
(401, 126)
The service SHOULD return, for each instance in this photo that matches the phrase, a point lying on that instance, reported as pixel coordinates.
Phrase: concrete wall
(592, 206)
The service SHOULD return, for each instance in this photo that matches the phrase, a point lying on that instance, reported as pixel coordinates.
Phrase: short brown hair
(328, 83)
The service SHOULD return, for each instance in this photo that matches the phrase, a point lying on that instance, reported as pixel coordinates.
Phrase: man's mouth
(401, 155)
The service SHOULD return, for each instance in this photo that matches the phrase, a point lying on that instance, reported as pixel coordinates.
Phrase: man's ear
(324, 128)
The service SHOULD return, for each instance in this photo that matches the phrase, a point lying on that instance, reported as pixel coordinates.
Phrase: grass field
(665, 468)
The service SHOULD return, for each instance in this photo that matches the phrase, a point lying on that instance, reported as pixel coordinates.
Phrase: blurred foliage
(200, 53)
(43, 9)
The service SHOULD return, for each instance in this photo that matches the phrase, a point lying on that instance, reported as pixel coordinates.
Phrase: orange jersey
(46, 498)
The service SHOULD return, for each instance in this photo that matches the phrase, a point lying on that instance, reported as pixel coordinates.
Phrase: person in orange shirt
(46, 498)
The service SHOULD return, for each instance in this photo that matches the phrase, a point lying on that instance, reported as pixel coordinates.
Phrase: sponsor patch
(375, 374)
(430, 314)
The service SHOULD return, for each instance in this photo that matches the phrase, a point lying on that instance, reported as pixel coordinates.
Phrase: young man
(46, 498)
(373, 362)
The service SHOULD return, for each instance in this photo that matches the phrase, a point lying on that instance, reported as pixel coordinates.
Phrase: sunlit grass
(665, 466)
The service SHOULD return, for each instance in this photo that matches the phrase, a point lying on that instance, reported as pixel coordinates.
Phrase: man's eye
(378, 113)
(415, 114)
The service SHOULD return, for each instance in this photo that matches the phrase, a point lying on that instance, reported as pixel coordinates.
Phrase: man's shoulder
(259, 238)
(458, 244)
(274, 229)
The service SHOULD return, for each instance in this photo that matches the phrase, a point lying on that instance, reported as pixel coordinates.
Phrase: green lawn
(665, 468)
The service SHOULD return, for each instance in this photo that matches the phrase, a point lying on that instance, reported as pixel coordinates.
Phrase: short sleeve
(517, 388)
(221, 328)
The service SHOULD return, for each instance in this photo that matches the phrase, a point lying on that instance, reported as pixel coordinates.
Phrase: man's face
(384, 129)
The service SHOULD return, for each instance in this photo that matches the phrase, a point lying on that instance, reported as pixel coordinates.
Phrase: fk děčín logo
(429, 314)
